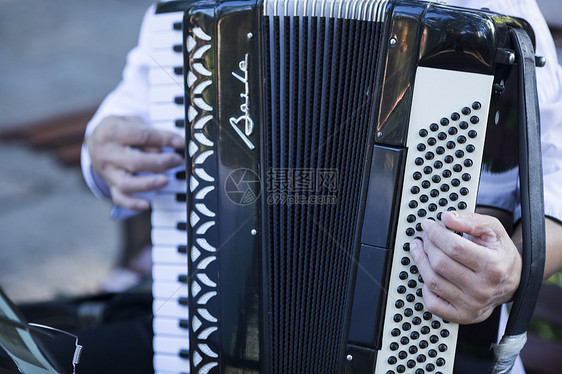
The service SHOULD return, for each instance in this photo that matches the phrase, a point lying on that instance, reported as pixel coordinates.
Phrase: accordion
(319, 134)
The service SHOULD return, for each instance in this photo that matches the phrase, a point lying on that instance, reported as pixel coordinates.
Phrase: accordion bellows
(318, 96)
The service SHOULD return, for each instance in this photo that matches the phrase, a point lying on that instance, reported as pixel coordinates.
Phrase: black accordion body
(319, 135)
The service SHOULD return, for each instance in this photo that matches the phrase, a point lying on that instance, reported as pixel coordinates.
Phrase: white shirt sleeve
(129, 98)
(549, 81)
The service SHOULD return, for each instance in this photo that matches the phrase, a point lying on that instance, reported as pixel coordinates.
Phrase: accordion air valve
(319, 135)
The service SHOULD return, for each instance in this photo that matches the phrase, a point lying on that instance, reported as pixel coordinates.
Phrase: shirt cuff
(94, 181)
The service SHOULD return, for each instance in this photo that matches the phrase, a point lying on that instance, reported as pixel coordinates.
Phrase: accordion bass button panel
(169, 214)
(445, 143)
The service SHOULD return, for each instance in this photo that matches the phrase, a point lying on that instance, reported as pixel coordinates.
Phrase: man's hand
(121, 147)
(465, 280)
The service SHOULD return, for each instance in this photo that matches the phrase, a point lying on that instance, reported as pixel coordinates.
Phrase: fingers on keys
(463, 279)
(133, 131)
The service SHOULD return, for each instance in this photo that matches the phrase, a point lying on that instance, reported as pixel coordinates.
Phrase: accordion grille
(319, 83)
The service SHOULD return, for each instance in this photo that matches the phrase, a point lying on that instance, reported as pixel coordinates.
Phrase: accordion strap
(532, 207)
(530, 176)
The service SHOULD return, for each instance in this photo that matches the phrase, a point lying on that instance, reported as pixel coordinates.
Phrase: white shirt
(130, 98)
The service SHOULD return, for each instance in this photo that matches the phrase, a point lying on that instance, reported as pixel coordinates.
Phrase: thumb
(483, 227)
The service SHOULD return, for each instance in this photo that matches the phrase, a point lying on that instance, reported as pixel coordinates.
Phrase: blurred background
(58, 59)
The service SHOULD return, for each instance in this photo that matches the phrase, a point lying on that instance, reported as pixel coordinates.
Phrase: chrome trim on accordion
(362, 10)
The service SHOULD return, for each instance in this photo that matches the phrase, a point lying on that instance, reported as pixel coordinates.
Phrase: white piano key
(169, 308)
(167, 236)
(170, 344)
(169, 326)
(168, 272)
(169, 290)
(166, 58)
(177, 168)
(175, 186)
(166, 111)
(169, 125)
(166, 93)
(166, 290)
(168, 218)
(164, 76)
(170, 364)
(169, 201)
(184, 371)
(163, 40)
(176, 182)
(168, 255)
(165, 21)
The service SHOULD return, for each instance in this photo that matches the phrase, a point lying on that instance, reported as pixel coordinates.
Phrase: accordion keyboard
(445, 143)
(169, 214)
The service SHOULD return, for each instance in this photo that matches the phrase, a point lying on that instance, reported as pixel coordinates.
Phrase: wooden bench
(61, 135)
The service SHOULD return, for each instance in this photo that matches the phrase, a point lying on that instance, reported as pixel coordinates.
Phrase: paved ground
(56, 56)
(55, 237)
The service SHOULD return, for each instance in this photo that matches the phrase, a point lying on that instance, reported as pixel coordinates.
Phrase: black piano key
(184, 353)
(183, 278)
(178, 70)
(182, 226)
(177, 48)
(180, 175)
(180, 123)
(183, 301)
(182, 249)
(178, 100)
(177, 26)
(184, 324)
